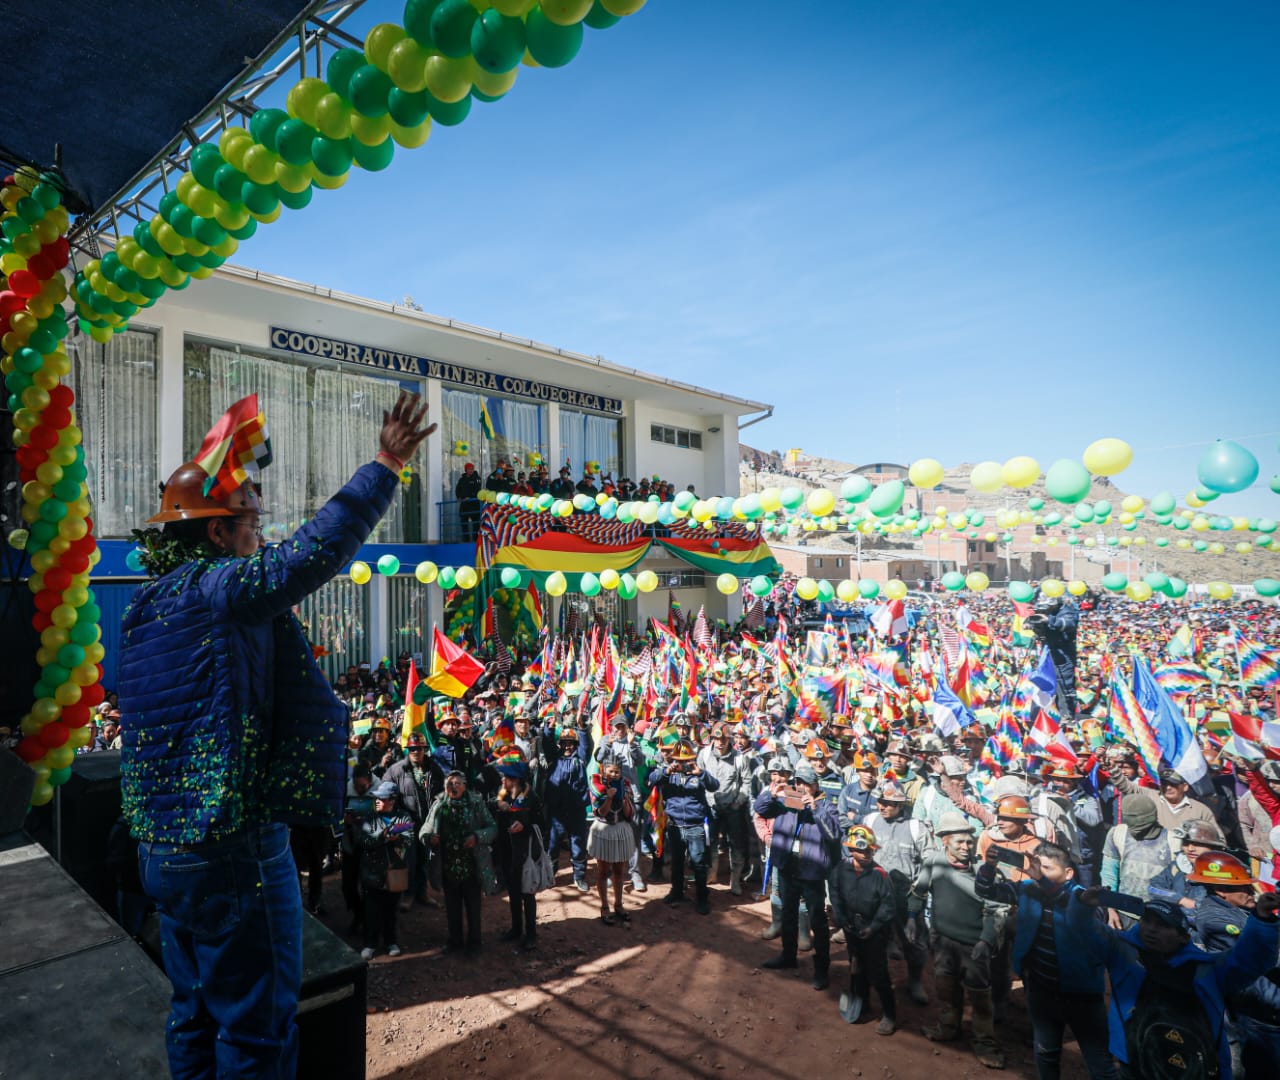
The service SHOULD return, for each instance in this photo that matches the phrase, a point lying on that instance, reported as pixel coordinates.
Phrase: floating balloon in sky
(1226, 467)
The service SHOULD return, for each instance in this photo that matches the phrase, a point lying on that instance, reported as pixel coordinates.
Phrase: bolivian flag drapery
(236, 449)
(743, 558)
(453, 669)
(572, 555)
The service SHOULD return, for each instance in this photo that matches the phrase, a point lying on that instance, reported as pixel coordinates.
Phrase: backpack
(1168, 1035)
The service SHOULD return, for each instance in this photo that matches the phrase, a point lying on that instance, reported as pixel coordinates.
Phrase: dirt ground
(672, 994)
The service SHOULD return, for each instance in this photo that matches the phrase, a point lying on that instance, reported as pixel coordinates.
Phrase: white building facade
(325, 365)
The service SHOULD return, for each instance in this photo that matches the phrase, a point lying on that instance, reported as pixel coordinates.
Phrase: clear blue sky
(953, 230)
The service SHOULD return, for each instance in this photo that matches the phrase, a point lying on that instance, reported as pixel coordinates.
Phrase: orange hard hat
(1014, 807)
(1216, 868)
(184, 498)
(865, 760)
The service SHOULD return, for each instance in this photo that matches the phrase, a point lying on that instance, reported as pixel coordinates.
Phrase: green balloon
(332, 156)
(1114, 582)
(1177, 588)
(856, 489)
(497, 41)
(868, 590)
(1053, 519)
(338, 73)
(417, 21)
(294, 200)
(388, 565)
(448, 577)
(408, 110)
(1021, 592)
(791, 497)
(1035, 504)
(590, 584)
(953, 581)
(447, 113)
(627, 587)
(259, 198)
(370, 89)
(510, 577)
(1164, 503)
(373, 158)
(761, 585)
(552, 46)
(294, 140)
(886, 500)
(599, 18)
(1067, 481)
(1267, 587)
(1157, 581)
(451, 25)
(826, 591)
(265, 123)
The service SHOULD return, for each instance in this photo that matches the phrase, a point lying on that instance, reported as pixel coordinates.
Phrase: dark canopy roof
(113, 82)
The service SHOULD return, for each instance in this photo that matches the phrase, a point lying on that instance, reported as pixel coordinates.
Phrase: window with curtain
(587, 437)
(115, 388)
(347, 417)
(519, 433)
(323, 423)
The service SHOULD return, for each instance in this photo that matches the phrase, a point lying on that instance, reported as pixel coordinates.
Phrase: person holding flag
(231, 733)
(418, 781)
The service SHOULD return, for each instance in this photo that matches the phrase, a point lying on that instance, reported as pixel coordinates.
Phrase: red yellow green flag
(453, 670)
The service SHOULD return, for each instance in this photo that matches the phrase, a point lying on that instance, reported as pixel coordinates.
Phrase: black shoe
(820, 979)
(510, 935)
(529, 942)
(451, 949)
(472, 949)
(780, 962)
(675, 896)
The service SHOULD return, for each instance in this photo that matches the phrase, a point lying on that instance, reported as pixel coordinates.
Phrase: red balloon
(24, 283)
(76, 715)
(47, 599)
(62, 396)
(31, 457)
(54, 734)
(41, 620)
(74, 562)
(85, 546)
(55, 418)
(31, 750)
(11, 303)
(59, 252)
(93, 695)
(40, 265)
(57, 579)
(43, 437)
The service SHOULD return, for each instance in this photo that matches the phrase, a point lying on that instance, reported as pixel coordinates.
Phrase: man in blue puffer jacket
(231, 733)
(1058, 954)
(1168, 996)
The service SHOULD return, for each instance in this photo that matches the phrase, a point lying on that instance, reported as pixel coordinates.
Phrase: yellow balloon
(1052, 587)
(925, 473)
(426, 572)
(1199, 523)
(894, 590)
(360, 572)
(847, 592)
(556, 584)
(987, 477)
(806, 588)
(1138, 590)
(1131, 504)
(1220, 590)
(725, 583)
(609, 578)
(977, 581)
(1244, 548)
(1194, 501)
(1107, 457)
(466, 577)
(821, 502)
(646, 581)
(1077, 587)
(770, 500)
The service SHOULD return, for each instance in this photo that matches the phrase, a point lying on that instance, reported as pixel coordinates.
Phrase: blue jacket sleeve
(269, 583)
(1254, 955)
(766, 806)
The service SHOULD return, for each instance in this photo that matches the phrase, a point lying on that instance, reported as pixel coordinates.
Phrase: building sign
(398, 363)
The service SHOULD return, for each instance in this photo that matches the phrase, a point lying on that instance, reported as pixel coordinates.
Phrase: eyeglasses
(254, 523)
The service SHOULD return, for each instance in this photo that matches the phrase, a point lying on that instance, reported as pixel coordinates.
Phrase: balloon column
(447, 54)
(55, 500)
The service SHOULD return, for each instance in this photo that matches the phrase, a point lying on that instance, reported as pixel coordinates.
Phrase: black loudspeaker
(83, 811)
(331, 1007)
(19, 672)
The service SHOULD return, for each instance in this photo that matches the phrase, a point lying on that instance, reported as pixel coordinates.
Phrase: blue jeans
(687, 841)
(1085, 1014)
(231, 941)
(1260, 1046)
(575, 832)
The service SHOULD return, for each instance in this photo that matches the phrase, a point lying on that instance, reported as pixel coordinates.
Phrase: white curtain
(282, 397)
(585, 437)
(459, 423)
(347, 417)
(115, 388)
(518, 429)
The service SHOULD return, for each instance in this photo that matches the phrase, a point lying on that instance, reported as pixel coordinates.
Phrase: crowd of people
(506, 477)
(1137, 908)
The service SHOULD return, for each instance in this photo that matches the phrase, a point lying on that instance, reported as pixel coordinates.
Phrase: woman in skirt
(611, 840)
